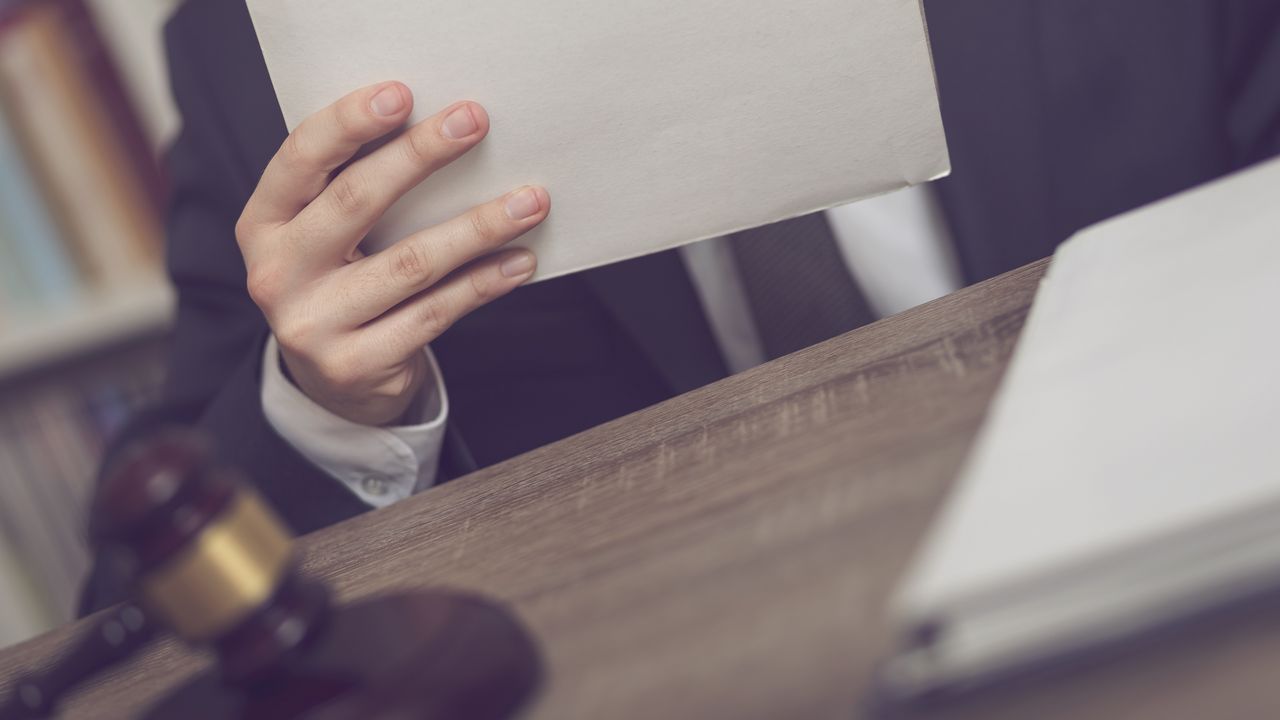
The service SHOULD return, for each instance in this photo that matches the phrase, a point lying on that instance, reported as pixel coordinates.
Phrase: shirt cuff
(381, 465)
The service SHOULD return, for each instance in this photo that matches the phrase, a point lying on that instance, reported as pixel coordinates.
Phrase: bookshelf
(20, 609)
(85, 307)
(97, 323)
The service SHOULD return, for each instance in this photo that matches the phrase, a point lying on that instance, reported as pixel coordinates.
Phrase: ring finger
(386, 279)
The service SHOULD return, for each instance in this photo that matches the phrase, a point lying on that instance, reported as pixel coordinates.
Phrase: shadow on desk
(1130, 676)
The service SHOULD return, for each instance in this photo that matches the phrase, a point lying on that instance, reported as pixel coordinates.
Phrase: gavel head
(206, 557)
(202, 552)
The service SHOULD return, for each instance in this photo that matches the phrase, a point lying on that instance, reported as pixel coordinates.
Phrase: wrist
(374, 404)
(379, 464)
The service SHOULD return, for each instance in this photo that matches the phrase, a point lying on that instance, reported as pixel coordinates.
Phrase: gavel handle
(114, 638)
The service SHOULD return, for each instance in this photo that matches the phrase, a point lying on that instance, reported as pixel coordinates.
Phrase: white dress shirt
(895, 245)
(381, 465)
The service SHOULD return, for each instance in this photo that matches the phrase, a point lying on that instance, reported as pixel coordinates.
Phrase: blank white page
(652, 124)
(1143, 398)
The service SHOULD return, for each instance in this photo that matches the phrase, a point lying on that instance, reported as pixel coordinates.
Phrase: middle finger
(340, 217)
(386, 279)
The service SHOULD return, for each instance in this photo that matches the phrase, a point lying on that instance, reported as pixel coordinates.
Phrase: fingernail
(387, 102)
(460, 123)
(517, 265)
(523, 204)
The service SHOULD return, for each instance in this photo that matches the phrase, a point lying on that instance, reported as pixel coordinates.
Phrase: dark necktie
(797, 284)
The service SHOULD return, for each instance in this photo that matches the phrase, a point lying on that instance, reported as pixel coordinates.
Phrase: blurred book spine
(81, 271)
(65, 122)
(51, 439)
(127, 143)
(132, 31)
(16, 293)
(34, 251)
(81, 192)
(22, 607)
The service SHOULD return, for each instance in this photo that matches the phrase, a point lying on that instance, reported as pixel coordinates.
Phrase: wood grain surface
(730, 553)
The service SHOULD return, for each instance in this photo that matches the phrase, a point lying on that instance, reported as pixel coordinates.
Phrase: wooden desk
(730, 553)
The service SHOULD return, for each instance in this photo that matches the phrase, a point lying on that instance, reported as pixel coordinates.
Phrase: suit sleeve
(214, 375)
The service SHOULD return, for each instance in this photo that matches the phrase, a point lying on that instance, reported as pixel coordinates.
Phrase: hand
(352, 328)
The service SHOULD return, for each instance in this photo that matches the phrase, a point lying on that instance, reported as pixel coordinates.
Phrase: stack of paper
(1129, 472)
(652, 124)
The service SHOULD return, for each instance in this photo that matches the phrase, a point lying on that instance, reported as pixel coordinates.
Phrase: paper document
(1129, 471)
(652, 124)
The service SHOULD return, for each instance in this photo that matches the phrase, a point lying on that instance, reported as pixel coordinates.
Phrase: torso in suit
(1058, 115)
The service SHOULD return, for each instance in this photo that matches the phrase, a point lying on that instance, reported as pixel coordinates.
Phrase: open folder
(652, 124)
(1128, 474)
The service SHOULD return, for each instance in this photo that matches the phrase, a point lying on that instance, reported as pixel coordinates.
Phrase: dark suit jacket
(1058, 114)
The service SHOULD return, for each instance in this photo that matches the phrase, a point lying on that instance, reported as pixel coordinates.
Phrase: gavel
(206, 559)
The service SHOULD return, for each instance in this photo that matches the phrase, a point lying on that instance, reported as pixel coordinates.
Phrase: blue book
(41, 265)
(17, 295)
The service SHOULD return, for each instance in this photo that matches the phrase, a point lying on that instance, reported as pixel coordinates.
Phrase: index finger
(320, 144)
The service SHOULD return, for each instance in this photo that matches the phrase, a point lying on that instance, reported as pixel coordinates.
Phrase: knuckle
(262, 282)
(348, 119)
(260, 292)
(435, 314)
(420, 147)
(480, 226)
(298, 152)
(411, 265)
(245, 231)
(483, 286)
(293, 336)
(350, 195)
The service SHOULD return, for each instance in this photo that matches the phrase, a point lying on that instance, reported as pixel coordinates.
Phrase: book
(132, 31)
(651, 124)
(85, 172)
(39, 256)
(128, 134)
(32, 524)
(52, 435)
(23, 612)
(51, 525)
(17, 295)
(1128, 475)
(79, 261)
